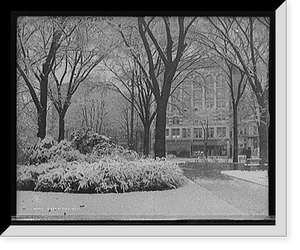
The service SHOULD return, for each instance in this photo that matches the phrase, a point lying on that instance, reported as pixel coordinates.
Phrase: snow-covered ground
(259, 176)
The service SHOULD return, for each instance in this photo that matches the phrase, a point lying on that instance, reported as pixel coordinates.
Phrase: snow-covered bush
(100, 167)
(85, 141)
(106, 176)
(48, 149)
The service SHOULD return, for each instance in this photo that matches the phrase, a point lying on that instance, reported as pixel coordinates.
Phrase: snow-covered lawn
(259, 176)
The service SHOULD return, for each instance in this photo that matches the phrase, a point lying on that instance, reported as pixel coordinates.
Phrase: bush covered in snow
(85, 141)
(105, 176)
(91, 163)
(47, 150)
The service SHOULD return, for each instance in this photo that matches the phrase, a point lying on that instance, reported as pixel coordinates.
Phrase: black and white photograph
(145, 119)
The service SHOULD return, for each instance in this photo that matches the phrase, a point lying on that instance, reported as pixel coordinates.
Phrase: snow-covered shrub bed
(259, 176)
(105, 176)
(91, 163)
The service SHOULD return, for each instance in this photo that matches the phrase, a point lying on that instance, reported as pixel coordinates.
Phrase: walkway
(188, 202)
(209, 195)
(248, 197)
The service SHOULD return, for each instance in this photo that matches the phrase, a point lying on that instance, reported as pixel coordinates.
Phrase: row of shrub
(105, 176)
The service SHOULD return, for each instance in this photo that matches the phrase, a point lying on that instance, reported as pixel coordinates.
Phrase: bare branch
(31, 90)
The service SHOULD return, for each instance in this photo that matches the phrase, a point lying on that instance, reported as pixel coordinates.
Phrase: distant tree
(236, 82)
(129, 81)
(128, 67)
(128, 128)
(125, 123)
(93, 105)
(204, 118)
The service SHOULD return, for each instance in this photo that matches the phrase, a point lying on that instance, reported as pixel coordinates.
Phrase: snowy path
(259, 177)
(189, 202)
(238, 188)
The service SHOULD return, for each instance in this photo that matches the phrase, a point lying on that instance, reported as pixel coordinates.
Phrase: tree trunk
(160, 128)
(46, 69)
(205, 143)
(206, 140)
(61, 129)
(146, 139)
(263, 132)
(235, 134)
(128, 131)
(131, 146)
(42, 116)
(263, 142)
(41, 125)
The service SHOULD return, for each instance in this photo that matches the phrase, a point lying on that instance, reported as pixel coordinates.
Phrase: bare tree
(80, 55)
(170, 53)
(237, 84)
(130, 80)
(93, 106)
(131, 84)
(248, 40)
(39, 40)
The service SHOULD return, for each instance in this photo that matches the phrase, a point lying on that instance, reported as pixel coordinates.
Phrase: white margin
(281, 119)
(279, 230)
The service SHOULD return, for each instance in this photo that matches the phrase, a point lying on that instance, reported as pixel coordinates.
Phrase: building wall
(203, 98)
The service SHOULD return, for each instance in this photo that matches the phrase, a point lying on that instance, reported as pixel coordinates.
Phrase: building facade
(199, 118)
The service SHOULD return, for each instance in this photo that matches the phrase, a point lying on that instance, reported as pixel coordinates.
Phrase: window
(243, 131)
(221, 118)
(221, 104)
(167, 133)
(175, 132)
(211, 132)
(172, 104)
(209, 104)
(197, 105)
(209, 92)
(197, 132)
(221, 131)
(175, 120)
(186, 99)
(123, 137)
(197, 93)
(186, 133)
(221, 92)
(175, 100)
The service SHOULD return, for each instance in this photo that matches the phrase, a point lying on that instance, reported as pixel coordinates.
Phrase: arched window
(209, 92)
(197, 93)
(221, 91)
(186, 96)
(175, 101)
